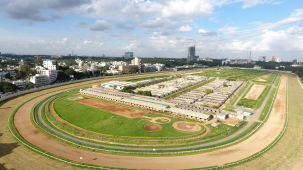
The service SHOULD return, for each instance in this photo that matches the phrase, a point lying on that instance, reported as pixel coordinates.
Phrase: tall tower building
(191, 54)
(129, 55)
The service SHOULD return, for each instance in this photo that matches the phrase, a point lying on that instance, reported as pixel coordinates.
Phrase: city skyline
(219, 29)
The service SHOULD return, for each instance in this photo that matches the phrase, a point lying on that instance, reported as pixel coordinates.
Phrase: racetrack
(255, 143)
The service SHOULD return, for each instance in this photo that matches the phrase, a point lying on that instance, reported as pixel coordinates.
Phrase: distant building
(191, 56)
(137, 62)
(236, 61)
(257, 67)
(129, 55)
(205, 59)
(23, 62)
(20, 83)
(51, 74)
(50, 64)
(159, 67)
(40, 80)
(275, 59)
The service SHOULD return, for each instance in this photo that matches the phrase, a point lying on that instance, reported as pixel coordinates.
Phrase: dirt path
(121, 111)
(255, 143)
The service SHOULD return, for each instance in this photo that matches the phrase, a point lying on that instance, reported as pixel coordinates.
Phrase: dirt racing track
(255, 143)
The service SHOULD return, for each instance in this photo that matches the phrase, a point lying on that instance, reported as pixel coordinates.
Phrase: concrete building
(275, 59)
(191, 56)
(51, 74)
(137, 62)
(50, 64)
(129, 55)
(40, 80)
(144, 102)
(20, 83)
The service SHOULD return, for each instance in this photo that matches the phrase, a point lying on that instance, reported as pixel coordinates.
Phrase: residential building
(20, 83)
(137, 62)
(51, 74)
(50, 64)
(40, 80)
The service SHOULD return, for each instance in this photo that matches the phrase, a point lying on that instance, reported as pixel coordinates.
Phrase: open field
(126, 112)
(105, 122)
(233, 74)
(254, 104)
(255, 91)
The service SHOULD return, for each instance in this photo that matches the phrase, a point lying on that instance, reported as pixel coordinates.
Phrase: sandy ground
(186, 126)
(152, 127)
(255, 91)
(255, 143)
(125, 112)
(263, 78)
(75, 98)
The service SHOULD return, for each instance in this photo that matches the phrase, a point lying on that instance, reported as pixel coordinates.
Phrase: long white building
(144, 102)
(39, 80)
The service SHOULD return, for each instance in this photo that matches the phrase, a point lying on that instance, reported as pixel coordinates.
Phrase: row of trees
(66, 74)
(6, 87)
(130, 89)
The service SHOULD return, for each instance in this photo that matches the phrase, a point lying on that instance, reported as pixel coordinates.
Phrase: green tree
(6, 87)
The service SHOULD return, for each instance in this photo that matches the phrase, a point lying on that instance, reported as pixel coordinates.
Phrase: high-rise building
(137, 62)
(129, 55)
(191, 54)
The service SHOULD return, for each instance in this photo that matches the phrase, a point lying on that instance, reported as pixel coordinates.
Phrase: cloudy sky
(151, 28)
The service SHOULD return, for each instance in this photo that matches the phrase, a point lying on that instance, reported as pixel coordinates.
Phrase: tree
(208, 91)
(62, 76)
(145, 93)
(6, 87)
(29, 85)
(8, 76)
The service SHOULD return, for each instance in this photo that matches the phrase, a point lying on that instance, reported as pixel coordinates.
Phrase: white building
(50, 64)
(137, 61)
(39, 80)
(20, 83)
(159, 66)
(51, 74)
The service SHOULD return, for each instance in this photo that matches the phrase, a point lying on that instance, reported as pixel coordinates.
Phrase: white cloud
(101, 25)
(251, 3)
(131, 46)
(228, 30)
(295, 17)
(187, 8)
(96, 43)
(202, 31)
(185, 28)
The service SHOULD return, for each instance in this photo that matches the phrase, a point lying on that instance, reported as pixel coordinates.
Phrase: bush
(247, 103)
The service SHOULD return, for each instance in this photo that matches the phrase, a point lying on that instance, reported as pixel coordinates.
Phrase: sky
(153, 28)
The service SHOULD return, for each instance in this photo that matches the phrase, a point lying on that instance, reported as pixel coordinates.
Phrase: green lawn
(104, 122)
(234, 74)
(255, 104)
